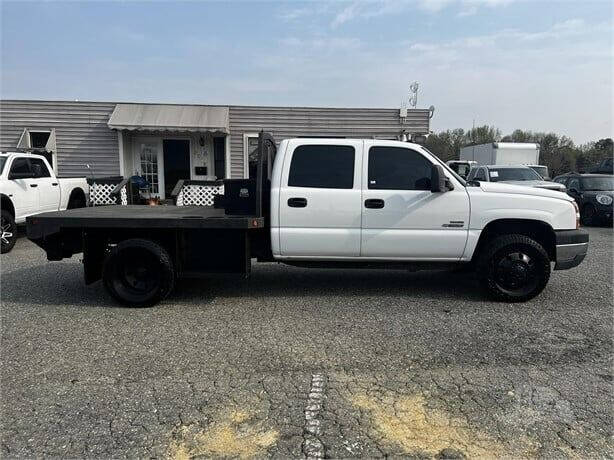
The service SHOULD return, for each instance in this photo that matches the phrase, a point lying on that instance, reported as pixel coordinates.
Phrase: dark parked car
(594, 194)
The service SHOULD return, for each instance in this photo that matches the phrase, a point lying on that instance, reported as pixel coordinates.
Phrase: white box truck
(502, 153)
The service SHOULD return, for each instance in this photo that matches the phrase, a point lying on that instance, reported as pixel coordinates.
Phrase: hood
(538, 183)
(509, 187)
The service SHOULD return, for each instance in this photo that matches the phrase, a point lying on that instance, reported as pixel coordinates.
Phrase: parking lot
(296, 362)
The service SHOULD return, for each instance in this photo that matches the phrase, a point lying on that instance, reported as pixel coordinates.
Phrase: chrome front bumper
(571, 248)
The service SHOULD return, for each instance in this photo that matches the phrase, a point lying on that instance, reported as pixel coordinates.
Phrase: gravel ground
(297, 362)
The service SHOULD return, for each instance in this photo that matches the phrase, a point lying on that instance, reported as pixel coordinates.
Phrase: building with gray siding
(167, 142)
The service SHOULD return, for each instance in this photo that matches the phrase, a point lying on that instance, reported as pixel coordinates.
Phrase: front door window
(149, 166)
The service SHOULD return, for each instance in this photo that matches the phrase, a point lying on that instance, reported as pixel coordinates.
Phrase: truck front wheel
(513, 268)
(138, 273)
(9, 231)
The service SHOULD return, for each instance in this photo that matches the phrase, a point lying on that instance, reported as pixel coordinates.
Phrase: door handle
(297, 202)
(54, 183)
(33, 185)
(374, 203)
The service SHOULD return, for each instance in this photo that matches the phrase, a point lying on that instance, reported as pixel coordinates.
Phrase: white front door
(401, 217)
(149, 162)
(320, 199)
(21, 189)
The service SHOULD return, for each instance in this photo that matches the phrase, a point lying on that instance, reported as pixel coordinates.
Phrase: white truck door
(320, 198)
(21, 188)
(48, 187)
(402, 218)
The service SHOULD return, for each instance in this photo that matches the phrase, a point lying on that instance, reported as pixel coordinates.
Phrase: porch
(166, 143)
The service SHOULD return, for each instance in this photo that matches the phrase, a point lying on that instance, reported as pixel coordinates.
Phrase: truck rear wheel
(8, 231)
(513, 268)
(138, 273)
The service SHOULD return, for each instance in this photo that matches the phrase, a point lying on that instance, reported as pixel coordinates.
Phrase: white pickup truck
(28, 186)
(338, 203)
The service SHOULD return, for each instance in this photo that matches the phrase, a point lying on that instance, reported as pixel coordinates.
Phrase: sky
(538, 65)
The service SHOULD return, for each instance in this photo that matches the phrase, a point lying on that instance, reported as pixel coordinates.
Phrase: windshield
(503, 174)
(600, 184)
(2, 162)
(541, 170)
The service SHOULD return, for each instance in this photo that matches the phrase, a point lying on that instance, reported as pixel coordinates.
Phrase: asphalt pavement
(306, 363)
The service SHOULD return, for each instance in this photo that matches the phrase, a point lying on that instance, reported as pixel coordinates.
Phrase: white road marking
(312, 446)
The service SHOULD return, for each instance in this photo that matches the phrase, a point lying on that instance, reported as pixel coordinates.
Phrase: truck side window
(480, 174)
(322, 166)
(397, 168)
(39, 168)
(20, 165)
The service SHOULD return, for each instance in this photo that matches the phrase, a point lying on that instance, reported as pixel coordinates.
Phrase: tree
(447, 144)
(557, 152)
(483, 135)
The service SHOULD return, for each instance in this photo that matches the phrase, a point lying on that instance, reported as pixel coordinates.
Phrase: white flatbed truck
(328, 203)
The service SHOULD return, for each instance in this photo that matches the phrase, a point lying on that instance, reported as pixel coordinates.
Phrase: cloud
(329, 44)
(346, 14)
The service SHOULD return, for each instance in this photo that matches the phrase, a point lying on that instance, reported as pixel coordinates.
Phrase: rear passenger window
(322, 166)
(39, 168)
(397, 168)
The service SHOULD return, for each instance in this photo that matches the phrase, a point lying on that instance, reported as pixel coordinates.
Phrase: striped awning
(170, 117)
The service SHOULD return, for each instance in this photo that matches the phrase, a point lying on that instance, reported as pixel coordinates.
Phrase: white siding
(82, 134)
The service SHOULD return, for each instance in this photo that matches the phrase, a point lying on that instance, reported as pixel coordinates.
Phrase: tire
(588, 216)
(513, 268)
(8, 232)
(76, 200)
(138, 273)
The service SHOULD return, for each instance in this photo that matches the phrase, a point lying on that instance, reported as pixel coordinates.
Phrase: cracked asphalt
(296, 362)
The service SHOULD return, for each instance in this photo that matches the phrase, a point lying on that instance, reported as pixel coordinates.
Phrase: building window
(38, 139)
(322, 166)
(41, 142)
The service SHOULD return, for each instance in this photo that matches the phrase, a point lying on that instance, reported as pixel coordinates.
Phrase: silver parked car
(517, 175)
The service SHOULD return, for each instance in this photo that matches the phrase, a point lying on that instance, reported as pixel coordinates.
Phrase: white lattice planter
(198, 195)
(100, 194)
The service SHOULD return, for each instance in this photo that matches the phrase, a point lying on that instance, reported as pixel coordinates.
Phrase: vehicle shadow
(280, 281)
(62, 284)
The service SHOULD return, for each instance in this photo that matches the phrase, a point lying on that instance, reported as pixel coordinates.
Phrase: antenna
(413, 95)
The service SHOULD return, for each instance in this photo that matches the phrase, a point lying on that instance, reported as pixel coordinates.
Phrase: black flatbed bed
(138, 216)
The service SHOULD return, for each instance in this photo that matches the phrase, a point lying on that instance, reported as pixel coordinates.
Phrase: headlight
(604, 199)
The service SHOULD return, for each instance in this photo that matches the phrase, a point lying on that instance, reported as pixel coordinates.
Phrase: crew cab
(339, 203)
(28, 186)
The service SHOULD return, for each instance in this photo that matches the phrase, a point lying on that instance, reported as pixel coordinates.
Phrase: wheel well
(6, 203)
(76, 193)
(535, 229)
